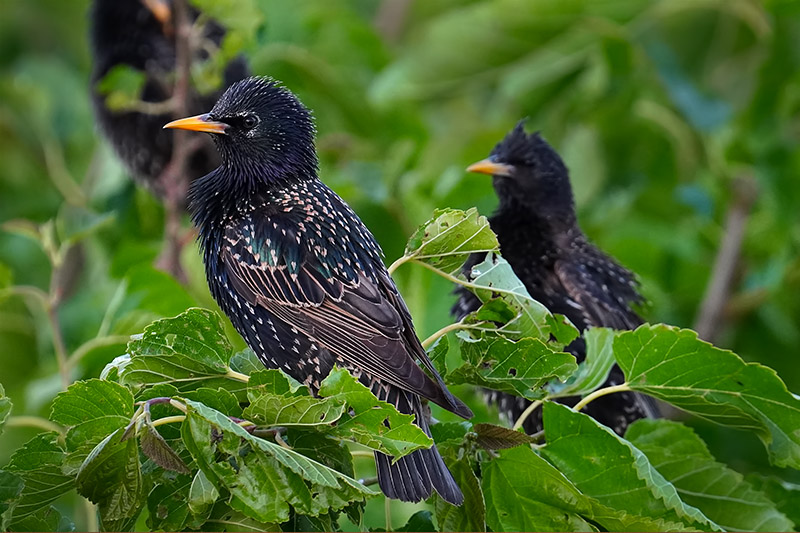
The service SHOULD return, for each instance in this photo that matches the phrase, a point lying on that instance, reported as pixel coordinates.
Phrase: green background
(657, 107)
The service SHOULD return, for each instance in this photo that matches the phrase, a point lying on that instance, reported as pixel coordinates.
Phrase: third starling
(539, 236)
(301, 277)
(139, 34)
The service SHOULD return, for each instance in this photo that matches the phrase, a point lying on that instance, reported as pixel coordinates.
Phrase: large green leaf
(264, 480)
(111, 477)
(593, 371)
(169, 505)
(526, 493)
(274, 401)
(186, 351)
(369, 421)
(39, 464)
(675, 366)
(92, 409)
(10, 490)
(520, 367)
(495, 279)
(719, 492)
(449, 237)
(471, 515)
(610, 469)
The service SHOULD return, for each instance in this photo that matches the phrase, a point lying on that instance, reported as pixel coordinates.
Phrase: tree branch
(710, 318)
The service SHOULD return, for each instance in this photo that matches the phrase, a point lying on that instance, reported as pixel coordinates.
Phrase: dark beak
(487, 166)
(199, 123)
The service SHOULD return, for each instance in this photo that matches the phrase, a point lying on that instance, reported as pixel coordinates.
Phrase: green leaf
(720, 493)
(223, 518)
(526, 493)
(471, 515)
(264, 479)
(246, 362)
(5, 408)
(122, 86)
(169, 504)
(92, 409)
(39, 463)
(365, 420)
(785, 495)
(188, 350)
(111, 477)
(45, 519)
(273, 402)
(494, 437)
(604, 466)
(495, 279)
(419, 521)
(447, 240)
(675, 366)
(521, 367)
(10, 489)
(593, 371)
(202, 494)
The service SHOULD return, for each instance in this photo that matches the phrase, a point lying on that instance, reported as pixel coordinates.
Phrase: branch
(710, 318)
(173, 177)
(525, 414)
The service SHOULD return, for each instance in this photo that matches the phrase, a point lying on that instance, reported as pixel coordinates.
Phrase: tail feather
(413, 478)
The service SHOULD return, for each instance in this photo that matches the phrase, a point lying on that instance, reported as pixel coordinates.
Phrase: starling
(301, 277)
(139, 34)
(539, 236)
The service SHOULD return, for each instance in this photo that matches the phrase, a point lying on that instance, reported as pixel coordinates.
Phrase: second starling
(301, 277)
(140, 35)
(539, 236)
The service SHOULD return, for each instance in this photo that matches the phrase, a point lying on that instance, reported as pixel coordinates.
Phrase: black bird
(301, 277)
(139, 34)
(539, 236)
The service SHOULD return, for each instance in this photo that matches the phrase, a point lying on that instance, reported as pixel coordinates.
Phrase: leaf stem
(442, 332)
(400, 260)
(91, 516)
(361, 453)
(525, 414)
(237, 376)
(280, 441)
(387, 512)
(599, 393)
(168, 420)
(34, 422)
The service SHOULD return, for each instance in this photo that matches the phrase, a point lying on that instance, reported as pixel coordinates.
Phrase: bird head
(260, 129)
(527, 171)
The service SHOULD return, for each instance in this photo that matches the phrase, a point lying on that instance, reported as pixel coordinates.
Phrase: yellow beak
(487, 166)
(160, 10)
(199, 123)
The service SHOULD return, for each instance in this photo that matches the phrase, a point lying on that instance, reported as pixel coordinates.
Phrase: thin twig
(710, 318)
(58, 345)
(173, 177)
(33, 422)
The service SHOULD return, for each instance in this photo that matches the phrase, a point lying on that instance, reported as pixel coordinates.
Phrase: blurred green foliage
(657, 106)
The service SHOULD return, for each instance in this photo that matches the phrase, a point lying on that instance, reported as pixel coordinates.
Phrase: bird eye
(250, 122)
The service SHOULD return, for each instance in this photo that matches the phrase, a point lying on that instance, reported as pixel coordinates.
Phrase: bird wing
(604, 291)
(358, 317)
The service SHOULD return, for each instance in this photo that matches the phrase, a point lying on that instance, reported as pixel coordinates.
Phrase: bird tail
(412, 478)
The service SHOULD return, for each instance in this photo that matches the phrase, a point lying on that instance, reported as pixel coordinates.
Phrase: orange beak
(199, 123)
(487, 166)
(160, 10)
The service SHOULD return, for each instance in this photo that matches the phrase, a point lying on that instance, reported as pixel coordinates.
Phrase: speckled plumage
(540, 238)
(302, 279)
(127, 32)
